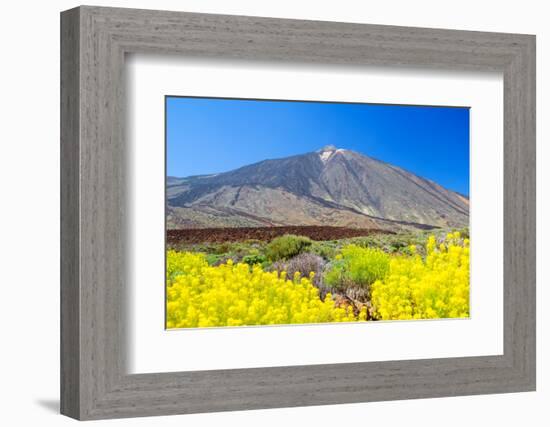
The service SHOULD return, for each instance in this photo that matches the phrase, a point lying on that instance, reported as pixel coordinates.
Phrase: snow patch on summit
(325, 155)
(326, 152)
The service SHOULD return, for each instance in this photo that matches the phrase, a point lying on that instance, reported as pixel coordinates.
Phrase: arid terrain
(235, 234)
(330, 187)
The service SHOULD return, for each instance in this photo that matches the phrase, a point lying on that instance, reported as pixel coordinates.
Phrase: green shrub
(254, 259)
(213, 259)
(336, 275)
(358, 266)
(396, 246)
(366, 265)
(221, 248)
(326, 250)
(287, 246)
(465, 232)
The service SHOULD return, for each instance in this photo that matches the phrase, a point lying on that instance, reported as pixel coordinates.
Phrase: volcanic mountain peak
(328, 151)
(327, 148)
(332, 186)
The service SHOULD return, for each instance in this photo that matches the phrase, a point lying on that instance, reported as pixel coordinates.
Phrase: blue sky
(208, 135)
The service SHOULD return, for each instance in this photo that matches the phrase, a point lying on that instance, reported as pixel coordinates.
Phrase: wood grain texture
(70, 291)
(94, 382)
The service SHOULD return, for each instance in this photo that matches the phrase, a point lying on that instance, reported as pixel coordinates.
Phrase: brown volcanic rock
(235, 234)
(333, 187)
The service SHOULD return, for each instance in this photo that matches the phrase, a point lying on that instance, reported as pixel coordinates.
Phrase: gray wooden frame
(94, 382)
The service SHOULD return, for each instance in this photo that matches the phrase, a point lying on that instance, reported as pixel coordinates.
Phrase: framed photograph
(261, 213)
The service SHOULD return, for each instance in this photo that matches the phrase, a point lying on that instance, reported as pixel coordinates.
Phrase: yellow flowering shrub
(358, 266)
(437, 286)
(200, 295)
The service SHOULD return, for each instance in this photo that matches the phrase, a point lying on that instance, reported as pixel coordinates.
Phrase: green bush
(465, 232)
(358, 266)
(254, 259)
(213, 259)
(336, 275)
(286, 247)
(326, 250)
(221, 248)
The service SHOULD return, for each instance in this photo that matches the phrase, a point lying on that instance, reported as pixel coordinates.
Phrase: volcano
(331, 187)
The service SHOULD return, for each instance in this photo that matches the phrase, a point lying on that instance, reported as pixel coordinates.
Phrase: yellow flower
(435, 287)
(200, 295)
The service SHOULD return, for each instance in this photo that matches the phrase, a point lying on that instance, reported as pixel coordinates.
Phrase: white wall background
(29, 236)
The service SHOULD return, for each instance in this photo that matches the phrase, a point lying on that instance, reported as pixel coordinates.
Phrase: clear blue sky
(208, 135)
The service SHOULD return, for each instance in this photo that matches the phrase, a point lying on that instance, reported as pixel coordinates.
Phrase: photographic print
(282, 212)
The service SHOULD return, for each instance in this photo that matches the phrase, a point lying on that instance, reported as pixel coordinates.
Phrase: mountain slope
(329, 187)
